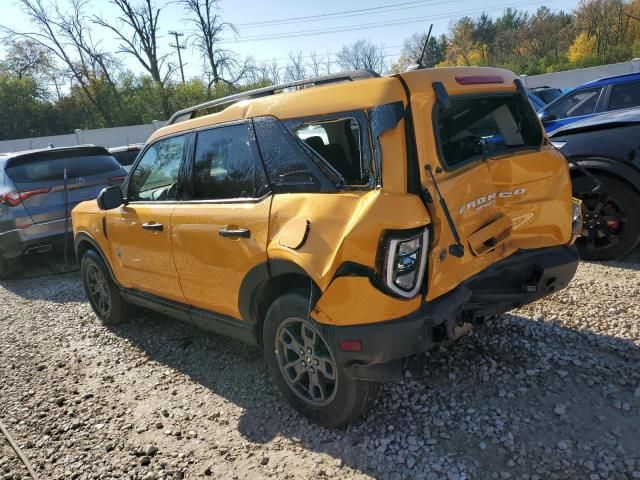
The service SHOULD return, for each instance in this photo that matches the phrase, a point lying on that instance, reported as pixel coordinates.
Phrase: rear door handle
(235, 232)
(154, 227)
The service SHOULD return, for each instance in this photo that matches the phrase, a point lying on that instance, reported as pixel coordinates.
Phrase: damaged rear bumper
(522, 278)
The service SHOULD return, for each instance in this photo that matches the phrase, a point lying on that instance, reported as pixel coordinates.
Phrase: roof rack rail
(189, 113)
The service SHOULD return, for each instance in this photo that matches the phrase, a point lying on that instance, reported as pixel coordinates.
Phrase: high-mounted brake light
(13, 199)
(479, 79)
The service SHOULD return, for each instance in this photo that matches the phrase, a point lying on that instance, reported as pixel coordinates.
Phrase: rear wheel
(611, 218)
(102, 292)
(303, 366)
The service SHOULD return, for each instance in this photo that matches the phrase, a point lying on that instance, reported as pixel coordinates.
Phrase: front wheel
(302, 365)
(611, 218)
(102, 292)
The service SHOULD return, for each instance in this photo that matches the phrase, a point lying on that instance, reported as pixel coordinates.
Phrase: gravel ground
(551, 390)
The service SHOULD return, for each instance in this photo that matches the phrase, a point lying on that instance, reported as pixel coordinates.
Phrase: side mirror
(110, 197)
(547, 118)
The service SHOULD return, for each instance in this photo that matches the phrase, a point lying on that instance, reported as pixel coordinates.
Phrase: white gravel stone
(207, 407)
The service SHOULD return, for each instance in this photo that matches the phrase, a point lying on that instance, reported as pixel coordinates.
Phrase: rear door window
(52, 169)
(578, 103)
(227, 165)
(625, 95)
(338, 142)
(487, 126)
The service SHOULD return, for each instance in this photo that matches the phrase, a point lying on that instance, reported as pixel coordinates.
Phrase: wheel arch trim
(606, 165)
(83, 237)
(263, 274)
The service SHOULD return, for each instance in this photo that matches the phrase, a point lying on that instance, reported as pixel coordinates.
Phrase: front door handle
(154, 227)
(235, 232)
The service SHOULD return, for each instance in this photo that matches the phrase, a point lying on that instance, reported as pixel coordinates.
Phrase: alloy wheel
(305, 361)
(604, 220)
(98, 290)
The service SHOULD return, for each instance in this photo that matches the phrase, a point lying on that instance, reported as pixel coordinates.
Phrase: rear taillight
(479, 79)
(13, 199)
(405, 257)
(117, 179)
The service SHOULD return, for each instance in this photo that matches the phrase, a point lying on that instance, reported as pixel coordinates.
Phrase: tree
(548, 35)
(484, 35)
(24, 112)
(295, 69)
(27, 57)
(361, 54)
(65, 36)
(608, 23)
(138, 34)
(582, 51)
(463, 48)
(222, 64)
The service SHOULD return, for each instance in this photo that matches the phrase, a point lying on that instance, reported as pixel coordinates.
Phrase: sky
(385, 22)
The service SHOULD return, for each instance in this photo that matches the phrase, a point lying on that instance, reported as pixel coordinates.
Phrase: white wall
(104, 137)
(574, 78)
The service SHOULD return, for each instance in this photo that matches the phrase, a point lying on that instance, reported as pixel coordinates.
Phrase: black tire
(611, 218)
(102, 292)
(9, 268)
(349, 399)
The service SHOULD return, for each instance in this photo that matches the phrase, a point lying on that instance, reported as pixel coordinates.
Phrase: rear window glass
(481, 127)
(53, 169)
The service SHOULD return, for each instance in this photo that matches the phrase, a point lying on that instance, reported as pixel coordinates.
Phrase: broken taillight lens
(13, 199)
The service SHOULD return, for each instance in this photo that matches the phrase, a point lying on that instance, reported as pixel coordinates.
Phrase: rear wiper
(455, 249)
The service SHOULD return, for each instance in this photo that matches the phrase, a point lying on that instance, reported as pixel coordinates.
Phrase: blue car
(592, 98)
(536, 102)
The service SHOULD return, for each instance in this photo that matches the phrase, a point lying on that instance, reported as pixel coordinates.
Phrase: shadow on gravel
(497, 388)
(45, 266)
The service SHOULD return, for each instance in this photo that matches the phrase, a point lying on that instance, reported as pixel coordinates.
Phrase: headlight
(404, 262)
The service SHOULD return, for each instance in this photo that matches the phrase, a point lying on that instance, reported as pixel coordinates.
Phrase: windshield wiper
(455, 249)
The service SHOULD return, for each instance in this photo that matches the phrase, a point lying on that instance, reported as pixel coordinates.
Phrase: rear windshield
(53, 168)
(481, 127)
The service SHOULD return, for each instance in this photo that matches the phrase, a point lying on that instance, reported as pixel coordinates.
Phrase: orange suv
(341, 223)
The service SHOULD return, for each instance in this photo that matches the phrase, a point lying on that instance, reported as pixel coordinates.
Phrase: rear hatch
(40, 179)
(505, 186)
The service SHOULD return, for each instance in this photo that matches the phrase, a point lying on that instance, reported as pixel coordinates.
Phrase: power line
(391, 23)
(338, 15)
(321, 55)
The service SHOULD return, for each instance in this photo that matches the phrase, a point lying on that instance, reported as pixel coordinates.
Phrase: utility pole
(178, 47)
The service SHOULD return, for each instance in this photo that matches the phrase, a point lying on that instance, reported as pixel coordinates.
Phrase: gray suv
(35, 206)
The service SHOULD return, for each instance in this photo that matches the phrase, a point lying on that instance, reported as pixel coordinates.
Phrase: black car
(604, 156)
(38, 189)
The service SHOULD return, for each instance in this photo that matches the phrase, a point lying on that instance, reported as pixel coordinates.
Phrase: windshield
(485, 126)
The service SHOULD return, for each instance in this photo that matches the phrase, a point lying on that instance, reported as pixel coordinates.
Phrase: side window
(226, 166)
(155, 177)
(578, 103)
(626, 95)
(290, 168)
(338, 142)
